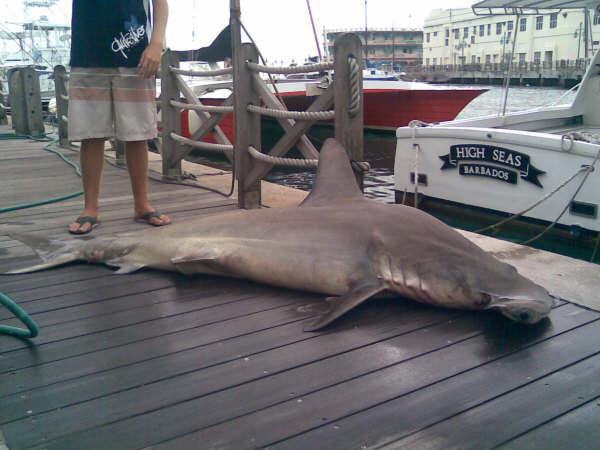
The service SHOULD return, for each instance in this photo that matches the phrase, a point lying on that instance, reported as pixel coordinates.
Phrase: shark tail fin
(53, 252)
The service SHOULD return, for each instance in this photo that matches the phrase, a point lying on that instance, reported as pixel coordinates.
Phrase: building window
(488, 59)
(539, 22)
(447, 32)
(456, 32)
(473, 59)
(522, 58)
(446, 42)
(499, 28)
(426, 61)
(481, 30)
(523, 24)
(537, 57)
(553, 20)
(489, 29)
(548, 57)
(427, 37)
(466, 32)
(509, 25)
(474, 30)
(472, 39)
(435, 34)
(596, 18)
(434, 61)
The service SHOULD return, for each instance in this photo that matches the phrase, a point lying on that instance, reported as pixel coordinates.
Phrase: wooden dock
(160, 360)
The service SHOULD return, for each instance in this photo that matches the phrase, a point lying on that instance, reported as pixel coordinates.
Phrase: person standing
(116, 46)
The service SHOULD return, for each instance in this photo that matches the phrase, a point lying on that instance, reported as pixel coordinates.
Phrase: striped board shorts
(111, 103)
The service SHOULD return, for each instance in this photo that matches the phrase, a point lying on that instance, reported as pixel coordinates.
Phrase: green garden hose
(32, 328)
(5, 300)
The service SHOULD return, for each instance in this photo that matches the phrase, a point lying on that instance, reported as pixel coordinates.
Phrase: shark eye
(484, 300)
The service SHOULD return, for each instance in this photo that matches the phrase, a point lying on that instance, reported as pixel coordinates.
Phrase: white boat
(500, 166)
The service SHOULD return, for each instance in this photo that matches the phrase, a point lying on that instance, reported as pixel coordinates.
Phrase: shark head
(516, 297)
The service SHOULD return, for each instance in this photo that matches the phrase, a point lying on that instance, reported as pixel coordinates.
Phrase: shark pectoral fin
(125, 267)
(212, 256)
(345, 303)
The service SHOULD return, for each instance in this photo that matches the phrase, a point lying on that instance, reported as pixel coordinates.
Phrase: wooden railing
(252, 98)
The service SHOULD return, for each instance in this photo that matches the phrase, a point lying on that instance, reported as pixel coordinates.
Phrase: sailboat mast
(314, 30)
(366, 37)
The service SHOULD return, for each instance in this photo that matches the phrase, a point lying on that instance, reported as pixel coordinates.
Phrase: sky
(281, 28)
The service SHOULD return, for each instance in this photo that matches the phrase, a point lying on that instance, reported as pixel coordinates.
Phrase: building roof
(530, 6)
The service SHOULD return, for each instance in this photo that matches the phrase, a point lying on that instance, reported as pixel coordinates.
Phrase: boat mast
(366, 37)
(314, 30)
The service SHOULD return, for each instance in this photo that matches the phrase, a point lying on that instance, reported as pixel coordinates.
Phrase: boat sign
(492, 162)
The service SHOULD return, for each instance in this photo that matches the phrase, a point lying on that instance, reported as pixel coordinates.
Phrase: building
(385, 46)
(459, 37)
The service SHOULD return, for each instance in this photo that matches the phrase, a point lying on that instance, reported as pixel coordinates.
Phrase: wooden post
(62, 104)
(17, 102)
(349, 124)
(170, 117)
(3, 116)
(247, 124)
(33, 102)
(120, 153)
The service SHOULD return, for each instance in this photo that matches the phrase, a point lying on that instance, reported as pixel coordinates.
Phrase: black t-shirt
(109, 33)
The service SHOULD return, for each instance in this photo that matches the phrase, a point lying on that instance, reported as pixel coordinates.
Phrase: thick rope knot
(355, 91)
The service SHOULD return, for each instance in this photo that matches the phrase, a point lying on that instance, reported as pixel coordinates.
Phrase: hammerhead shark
(336, 242)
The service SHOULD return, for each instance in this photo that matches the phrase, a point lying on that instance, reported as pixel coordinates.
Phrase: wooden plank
(274, 388)
(410, 368)
(54, 348)
(455, 392)
(348, 127)
(527, 407)
(577, 429)
(18, 109)
(170, 117)
(190, 385)
(62, 104)
(33, 102)
(247, 124)
(166, 356)
(106, 351)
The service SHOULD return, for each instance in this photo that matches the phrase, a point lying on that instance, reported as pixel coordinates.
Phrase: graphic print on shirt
(133, 35)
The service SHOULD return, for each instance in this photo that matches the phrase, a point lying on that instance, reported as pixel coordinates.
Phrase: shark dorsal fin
(335, 179)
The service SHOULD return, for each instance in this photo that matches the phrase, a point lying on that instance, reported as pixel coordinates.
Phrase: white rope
(202, 73)
(221, 148)
(295, 115)
(290, 70)
(588, 169)
(277, 161)
(355, 91)
(417, 148)
(206, 108)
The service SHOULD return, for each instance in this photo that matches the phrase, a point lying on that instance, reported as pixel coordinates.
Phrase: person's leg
(136, 154)
(91, 122)
(91, 159)
(135, 123)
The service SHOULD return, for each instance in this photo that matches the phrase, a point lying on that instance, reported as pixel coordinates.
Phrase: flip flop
(146, 218)
(82, 220)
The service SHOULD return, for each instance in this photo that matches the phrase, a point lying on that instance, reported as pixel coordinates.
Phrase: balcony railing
(523, 66)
